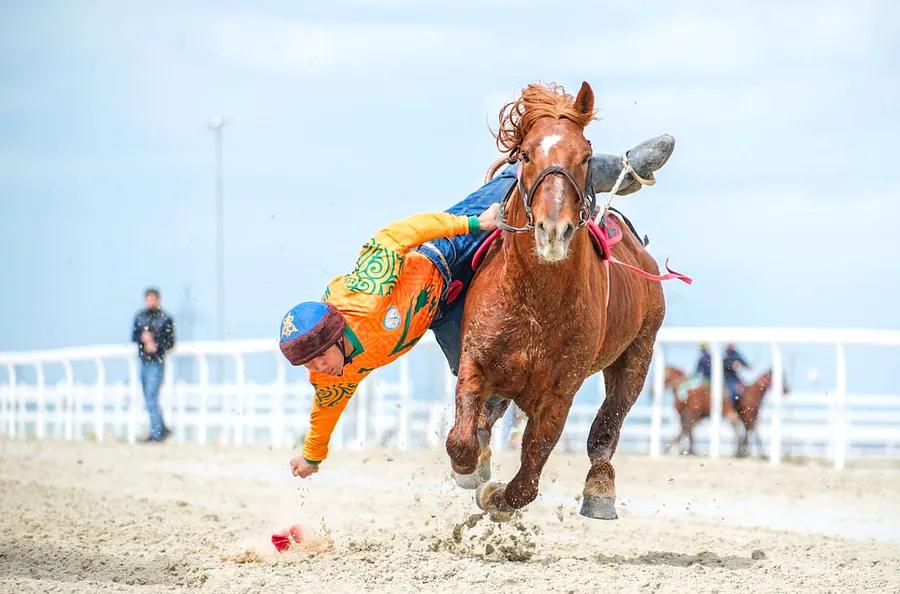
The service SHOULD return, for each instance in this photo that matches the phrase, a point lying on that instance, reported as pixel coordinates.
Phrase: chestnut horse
(544, 312)
(695, 406)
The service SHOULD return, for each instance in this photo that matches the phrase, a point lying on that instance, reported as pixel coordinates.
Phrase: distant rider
(732, 362)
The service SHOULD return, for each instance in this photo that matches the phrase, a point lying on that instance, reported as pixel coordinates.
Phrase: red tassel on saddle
(603, 242)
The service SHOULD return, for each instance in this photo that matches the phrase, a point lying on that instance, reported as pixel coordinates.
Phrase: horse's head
(674, 377)
(544, 128)
(765, 382)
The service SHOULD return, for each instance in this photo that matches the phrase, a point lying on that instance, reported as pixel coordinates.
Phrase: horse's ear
(584, 102)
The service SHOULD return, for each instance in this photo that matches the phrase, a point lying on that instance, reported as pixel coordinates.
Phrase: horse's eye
(526, 158)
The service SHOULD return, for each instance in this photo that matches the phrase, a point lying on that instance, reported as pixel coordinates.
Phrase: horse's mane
(538, 100)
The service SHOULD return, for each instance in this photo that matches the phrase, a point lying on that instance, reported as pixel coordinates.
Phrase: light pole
(217, 125)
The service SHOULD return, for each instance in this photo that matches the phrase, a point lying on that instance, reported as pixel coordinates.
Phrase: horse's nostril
(568, 231)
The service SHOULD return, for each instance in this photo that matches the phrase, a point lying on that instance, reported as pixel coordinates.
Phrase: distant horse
(544, 312)
(750, 402)
(693, 405)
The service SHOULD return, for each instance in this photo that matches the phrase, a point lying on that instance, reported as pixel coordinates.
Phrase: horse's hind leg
(624, 380)
(678, 439)
(759, 445)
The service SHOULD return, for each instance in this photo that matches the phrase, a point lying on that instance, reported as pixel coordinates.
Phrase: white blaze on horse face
(549, 142)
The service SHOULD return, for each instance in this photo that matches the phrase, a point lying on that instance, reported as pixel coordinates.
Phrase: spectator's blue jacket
(160, 326)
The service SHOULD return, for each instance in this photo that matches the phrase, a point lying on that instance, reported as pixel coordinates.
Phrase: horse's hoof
(599, 507)
(482, 472)
(481, 475)
(483, 496)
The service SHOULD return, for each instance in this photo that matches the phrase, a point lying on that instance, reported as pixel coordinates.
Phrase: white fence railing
(243, 391)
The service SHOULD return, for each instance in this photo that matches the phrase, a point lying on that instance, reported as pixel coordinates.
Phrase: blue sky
(782, 198)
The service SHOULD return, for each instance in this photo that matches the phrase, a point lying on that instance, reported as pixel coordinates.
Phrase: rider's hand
(300, 467)
(488, 219)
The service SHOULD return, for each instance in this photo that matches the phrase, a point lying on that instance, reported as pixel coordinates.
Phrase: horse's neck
(542, 284)
(755, 391)
(538, 285)
(762, 385)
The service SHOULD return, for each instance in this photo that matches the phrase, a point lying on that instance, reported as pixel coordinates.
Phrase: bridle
(587, 196)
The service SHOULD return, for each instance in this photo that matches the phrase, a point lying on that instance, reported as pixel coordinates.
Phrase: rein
(588, 206)
(587, 196)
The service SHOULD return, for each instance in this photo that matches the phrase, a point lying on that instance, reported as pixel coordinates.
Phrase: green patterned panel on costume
(420, 301)
(328, 396)
(377, 270)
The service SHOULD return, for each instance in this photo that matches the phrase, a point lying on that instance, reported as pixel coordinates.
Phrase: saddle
(604, 236)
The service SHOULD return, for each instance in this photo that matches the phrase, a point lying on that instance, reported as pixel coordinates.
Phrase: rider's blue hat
(309, 329)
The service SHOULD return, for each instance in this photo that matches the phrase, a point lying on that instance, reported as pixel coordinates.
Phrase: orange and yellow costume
(388, 301)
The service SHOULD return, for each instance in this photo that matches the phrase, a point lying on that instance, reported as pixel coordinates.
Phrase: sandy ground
(111, 517)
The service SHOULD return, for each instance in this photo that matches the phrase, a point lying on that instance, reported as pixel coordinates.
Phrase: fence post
(656, 393)
(166, 397)
(240, 376)
(777, 394)
(4, 408)
(362, 416)
(68, 399)
(840, 418)
(178, 389)
(203, 422)
(133, 400)
(405, 388)
(39, 417)
(278, 407)
(77, 412)
(11, 402)
(99, 397)
(716, 389)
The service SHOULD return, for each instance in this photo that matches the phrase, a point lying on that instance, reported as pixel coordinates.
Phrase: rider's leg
(645, 158)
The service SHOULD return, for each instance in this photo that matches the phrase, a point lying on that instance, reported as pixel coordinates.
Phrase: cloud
(710, 105)
(693, 44)
(697, 43)
(297, 47)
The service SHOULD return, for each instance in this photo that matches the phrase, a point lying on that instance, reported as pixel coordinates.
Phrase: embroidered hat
(310, 329)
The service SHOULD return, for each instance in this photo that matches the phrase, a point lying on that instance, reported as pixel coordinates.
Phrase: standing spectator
(732, 362)
(154, 333)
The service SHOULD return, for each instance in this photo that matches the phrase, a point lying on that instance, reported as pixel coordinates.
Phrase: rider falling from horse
(412, 276)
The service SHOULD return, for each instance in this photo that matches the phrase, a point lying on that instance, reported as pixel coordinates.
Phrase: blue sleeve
(167, 340)
(136, 329)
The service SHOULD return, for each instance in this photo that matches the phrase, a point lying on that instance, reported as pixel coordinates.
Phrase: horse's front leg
(742, 435)
(541, 435)
(678, 439)
(462, 440)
